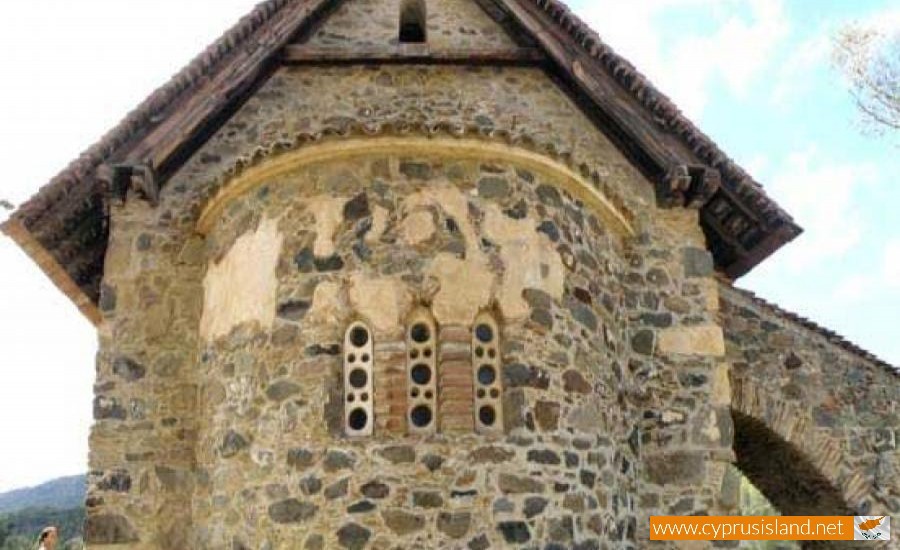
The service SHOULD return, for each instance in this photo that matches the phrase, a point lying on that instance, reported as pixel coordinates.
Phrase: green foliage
(754, 503)
(21, 528)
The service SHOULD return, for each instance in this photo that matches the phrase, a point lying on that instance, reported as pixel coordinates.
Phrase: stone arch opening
(782, 472)
(785, 475)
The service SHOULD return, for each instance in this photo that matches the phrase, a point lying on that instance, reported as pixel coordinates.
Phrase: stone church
(439, 274)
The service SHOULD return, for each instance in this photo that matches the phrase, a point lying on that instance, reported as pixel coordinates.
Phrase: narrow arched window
(486, 367)
(412, 22)
(422, 375)
(358, 385)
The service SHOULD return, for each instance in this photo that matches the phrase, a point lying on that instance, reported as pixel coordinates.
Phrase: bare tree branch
(870, 61)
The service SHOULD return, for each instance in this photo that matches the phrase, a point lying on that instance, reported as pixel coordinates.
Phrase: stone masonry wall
(836, 408)
(142, 442)
(450, 24)
(368, 240)
(609, 370)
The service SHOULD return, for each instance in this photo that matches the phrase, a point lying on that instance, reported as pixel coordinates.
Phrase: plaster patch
(418, 227)
(529, 259)
(243, 286)
(381, 301)
(699, 340)
(465, 288)
(455, 204)
(710, 289)
(325, 303)
(329, 213)
(721, 385)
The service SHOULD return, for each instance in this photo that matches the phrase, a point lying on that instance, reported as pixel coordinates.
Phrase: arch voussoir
(796, 448)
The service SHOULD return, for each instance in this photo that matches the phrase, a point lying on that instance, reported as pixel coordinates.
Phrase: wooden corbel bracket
(137, 177)
(689, 186)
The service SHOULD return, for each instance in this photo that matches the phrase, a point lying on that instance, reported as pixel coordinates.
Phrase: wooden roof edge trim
(17, 231)
(137, 120)
(796, 319)
(663, 110)
(770, 244)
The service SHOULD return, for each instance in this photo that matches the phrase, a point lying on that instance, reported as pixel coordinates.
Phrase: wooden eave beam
(192, 120)
(768, 245)
(666, 152)
(716, 225)
(52, 268)
(605, 93)
(298, 54)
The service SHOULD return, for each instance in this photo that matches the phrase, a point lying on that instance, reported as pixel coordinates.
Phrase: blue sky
(753, 74)
(756, 76)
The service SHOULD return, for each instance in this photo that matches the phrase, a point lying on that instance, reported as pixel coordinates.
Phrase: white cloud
(886, 20)
(870, 284)
(72, 70)
(738, 49)
(891, 267)
(794, 76)
(855, 289)
(821, 195)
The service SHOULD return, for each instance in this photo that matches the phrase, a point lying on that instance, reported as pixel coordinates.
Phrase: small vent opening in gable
(412, 22)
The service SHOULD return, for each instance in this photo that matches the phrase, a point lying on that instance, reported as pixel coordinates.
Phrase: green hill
(24, 512)
(60, 493)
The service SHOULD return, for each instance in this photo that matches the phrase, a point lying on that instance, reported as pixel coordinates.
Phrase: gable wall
(174, 427)
(840, 410)
(360, 24)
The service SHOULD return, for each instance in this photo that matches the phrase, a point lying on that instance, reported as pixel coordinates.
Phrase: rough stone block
(700, 340)
(676, 468)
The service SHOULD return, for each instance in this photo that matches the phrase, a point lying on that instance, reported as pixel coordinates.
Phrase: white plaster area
(243, 286)
(328, 211)
(529, 261)
(383, 301)
(466, 286)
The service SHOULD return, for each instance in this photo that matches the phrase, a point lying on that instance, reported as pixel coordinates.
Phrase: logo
(871, 528)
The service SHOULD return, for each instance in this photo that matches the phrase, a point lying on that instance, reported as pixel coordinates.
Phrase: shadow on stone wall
(784, 475)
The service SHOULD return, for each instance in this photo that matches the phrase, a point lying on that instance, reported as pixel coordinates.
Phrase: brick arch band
(797, 466)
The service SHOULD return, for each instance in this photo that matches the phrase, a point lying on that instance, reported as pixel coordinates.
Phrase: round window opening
(486, 375)
(421, 416)
(487, 415)
(420, 374)
(358, 378)
(358, 419)
(420, 333)
(359, 337)
(484, 333)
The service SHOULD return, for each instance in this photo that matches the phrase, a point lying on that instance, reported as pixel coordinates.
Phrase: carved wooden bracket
(689, 186)
(140, 178)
